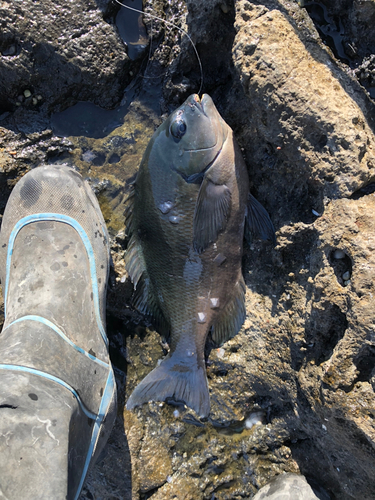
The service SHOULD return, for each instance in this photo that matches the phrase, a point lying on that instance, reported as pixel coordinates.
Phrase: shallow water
(131, 28)
(108, 144)
(331, 30)
(88, 120)
(111, 162)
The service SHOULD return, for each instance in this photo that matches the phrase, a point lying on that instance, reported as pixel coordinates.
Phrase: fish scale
(186, 225)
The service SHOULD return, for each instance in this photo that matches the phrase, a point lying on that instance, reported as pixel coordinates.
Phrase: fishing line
(174, 26)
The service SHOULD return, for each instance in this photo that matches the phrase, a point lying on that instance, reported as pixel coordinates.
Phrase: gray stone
(286, 487)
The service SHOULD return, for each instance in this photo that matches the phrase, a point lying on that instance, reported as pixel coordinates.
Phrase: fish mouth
(202, 149)
(198, 103)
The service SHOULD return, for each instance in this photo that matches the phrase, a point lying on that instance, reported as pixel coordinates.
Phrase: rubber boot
(57, 388)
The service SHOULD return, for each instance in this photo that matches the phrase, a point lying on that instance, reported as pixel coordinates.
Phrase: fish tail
(176, 379)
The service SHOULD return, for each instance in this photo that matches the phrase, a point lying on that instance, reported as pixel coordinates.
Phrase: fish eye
(178, 128)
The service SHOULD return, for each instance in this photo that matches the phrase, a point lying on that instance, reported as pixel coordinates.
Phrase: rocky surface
(71, 43)
(294, 390)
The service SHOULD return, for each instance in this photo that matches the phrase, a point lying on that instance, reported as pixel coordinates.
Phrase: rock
(201, 21)
(362, 19)
(150, 469)
(286, 487)
(305, 127)
(19, 151)
(289, 111)
(366, 74)
(62, 52)
(304, 134)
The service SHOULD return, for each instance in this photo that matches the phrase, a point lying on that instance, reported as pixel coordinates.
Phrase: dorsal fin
(258, 222)
(143, 299)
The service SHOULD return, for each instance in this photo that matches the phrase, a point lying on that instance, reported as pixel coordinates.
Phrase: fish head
(196, 134)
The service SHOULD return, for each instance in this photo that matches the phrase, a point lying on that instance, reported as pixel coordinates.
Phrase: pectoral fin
(258, 222)
(211, 213)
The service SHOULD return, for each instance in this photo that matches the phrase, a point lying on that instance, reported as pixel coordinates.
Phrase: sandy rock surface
(294, 390)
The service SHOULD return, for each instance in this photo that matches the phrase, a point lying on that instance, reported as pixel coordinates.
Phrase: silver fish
(186, 219)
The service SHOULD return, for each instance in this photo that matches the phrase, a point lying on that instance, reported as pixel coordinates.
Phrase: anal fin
(232, 316)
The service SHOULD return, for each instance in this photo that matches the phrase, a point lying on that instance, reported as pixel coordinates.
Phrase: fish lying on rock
(186, 218)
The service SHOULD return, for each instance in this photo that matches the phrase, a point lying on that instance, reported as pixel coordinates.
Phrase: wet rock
(150, 469)
(19, 152)
(366, 74)
(206, 461)
(358, 18)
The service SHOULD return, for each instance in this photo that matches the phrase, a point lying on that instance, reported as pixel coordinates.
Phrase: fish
(186, 217)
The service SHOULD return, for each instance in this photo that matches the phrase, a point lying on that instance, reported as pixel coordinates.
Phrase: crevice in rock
(325, 328)
(220, 372)
(218, 369)
(295, 254)
(365, 190)
(85, 493)
(99, 159)
(217, 65)
(223, 486)
(9, 46)
(315, 467)
(365, 363)
(342, 265)
(331, 29)
(356, 435)
(117, 330)
(347, 28)
(148, 494)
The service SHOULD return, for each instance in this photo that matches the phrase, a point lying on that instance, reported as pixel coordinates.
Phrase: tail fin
(177, 379)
